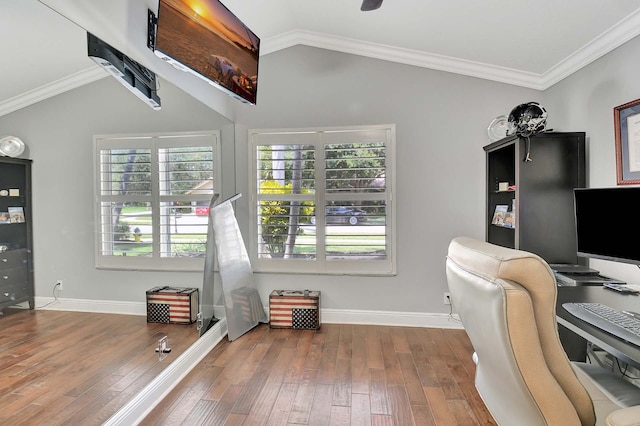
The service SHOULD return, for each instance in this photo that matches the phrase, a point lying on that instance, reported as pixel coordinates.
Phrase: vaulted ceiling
(527, 43)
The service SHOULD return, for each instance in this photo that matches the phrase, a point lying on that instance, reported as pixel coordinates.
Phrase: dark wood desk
(619, 348)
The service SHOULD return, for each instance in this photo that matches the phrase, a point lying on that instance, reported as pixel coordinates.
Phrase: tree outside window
(323, 197)
(150, 188)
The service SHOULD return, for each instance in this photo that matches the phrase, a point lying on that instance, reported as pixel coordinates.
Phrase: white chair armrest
(625, 417)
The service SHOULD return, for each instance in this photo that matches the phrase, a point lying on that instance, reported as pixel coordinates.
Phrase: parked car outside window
(343, 215)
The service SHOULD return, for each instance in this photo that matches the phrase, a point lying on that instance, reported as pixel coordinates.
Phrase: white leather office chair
(506, 300)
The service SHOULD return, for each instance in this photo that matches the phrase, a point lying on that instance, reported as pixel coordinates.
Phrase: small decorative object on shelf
(11, 146)
(499, 128)
(500, 214)
(16, 214)
(510, 220)
(528, 119)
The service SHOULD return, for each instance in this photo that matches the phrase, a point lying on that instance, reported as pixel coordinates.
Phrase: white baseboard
(88, 305)
(328, 316)
(404, 319)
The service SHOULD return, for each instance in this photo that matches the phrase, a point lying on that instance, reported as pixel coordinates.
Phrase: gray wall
(59, 133)
(441, 121)
(584, 102)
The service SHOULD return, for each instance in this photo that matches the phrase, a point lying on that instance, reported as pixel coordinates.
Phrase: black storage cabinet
(543, 193)
(16, 241)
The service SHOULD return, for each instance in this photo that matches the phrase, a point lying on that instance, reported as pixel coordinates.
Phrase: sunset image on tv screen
(206, 37)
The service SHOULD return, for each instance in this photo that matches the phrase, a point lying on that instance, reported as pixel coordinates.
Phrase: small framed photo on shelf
(510, 220)
(16, 215)
(4, 217)
(626, 121)
(499, 215)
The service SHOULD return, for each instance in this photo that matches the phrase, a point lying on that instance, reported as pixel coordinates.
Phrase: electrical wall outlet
(59, 285)
(447, 299)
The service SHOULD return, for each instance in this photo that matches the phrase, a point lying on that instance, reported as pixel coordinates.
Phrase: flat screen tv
(605, 223)
(204, 38)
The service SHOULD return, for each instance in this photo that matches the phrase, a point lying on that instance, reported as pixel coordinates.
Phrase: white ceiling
(528, 43)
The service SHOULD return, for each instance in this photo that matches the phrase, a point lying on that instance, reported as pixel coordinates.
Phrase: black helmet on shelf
(528, 119)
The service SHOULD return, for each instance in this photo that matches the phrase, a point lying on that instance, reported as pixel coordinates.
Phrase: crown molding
(54, 88)
(400, 55)
(618, 34)
(615, 36)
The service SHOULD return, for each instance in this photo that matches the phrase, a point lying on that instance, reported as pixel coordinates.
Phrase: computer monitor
(606, 227)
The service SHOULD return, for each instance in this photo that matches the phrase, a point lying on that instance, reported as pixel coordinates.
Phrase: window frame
(153, 141)
(319, 137)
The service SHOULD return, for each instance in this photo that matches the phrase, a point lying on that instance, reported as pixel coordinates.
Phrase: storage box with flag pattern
(172, 305)
(294, 309)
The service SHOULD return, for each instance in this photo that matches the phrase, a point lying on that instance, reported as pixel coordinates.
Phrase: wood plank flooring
(339, 375)
(74, 368)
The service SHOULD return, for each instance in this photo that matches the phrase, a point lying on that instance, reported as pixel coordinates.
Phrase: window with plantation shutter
(321, 200)
(152, 198)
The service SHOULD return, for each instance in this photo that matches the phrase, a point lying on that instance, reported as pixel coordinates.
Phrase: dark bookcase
(16, 240)
(539, 192)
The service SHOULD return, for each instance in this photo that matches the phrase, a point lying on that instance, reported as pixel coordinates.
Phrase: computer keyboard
(622, 325)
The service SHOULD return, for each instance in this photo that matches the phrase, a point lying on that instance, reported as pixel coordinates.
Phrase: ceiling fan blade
(370, 5)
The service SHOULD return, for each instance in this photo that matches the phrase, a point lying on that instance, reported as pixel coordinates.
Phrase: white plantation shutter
(148, 189)
(322, 200)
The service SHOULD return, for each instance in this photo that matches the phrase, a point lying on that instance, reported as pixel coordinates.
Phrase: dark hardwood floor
(74, 368)
(339, 375)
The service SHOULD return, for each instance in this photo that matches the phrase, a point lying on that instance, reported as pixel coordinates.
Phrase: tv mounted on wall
(605, 226)
(205, 38)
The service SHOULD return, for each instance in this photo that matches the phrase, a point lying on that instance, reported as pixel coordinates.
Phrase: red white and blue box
(294, 309)
(172, 305)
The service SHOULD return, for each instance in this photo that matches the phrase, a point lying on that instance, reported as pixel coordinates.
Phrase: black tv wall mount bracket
(152, 23)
